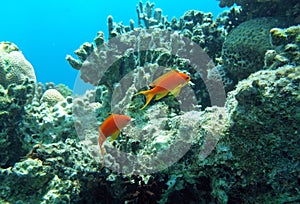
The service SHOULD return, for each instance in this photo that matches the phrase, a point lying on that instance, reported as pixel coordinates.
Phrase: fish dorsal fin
(162, 77)
(114, 136)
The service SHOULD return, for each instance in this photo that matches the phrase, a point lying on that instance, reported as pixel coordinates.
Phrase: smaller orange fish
(171, 82)
(111, 126)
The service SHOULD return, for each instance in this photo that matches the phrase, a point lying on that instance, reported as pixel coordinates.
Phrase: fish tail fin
(149, 95)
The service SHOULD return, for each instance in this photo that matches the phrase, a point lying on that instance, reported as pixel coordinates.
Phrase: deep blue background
(46, 31)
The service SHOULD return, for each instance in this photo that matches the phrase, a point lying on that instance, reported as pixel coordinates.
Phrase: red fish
(171, 82)
(111, 127)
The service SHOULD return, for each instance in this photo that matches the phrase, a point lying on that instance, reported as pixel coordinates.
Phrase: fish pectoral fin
(175, 92)
(161, 95)
(114, 136)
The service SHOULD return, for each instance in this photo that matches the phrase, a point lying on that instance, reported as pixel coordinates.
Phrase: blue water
(46, 31)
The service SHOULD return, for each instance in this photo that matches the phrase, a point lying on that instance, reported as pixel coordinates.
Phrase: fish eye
(187, 77)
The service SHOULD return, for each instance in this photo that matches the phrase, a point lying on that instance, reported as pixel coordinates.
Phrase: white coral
(14, 68)
(52, 97)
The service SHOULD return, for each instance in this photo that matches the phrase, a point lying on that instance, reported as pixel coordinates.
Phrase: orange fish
(171, 82)
(112, 126)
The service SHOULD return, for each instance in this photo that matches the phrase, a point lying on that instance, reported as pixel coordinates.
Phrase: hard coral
(121, 56)
(52, 97)
(244, 48)
(14, 68)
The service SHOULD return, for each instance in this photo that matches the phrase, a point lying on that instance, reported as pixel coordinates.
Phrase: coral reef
(215, 168)
(17, 87)
(179, 149)
(48, 123)
(250, 40)
(195, 25)
(108, 64)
